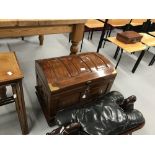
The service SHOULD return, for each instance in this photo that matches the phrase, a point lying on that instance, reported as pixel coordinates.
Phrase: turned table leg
(76, 37)
(20, 106)
(41, 39)
(3, 92)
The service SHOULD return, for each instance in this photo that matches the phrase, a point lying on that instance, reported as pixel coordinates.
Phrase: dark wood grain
(72, 80)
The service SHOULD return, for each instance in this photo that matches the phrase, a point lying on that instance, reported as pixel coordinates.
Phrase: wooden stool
(10, 74)
(128, 48)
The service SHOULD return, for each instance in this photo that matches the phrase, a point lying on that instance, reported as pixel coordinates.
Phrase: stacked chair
(90, 26)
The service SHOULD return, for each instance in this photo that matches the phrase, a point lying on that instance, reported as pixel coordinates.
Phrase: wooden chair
(90, 26)
(110, 25)
(149, 40)
(128, 48)
(139, 25)
(151, 26)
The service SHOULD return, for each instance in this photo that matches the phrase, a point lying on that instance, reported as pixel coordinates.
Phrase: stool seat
(9, 68)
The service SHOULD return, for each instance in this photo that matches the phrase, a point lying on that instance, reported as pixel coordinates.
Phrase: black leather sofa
(109, 115)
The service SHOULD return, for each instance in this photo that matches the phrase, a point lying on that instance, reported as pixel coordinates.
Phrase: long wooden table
(41, 27)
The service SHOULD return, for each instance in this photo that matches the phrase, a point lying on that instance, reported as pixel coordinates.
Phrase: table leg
(138, 61)
(41, 39)
(119, 58)
(152, 61)
(3, 92)
(76, 37)
(117, 52)
(22, 38)
(20, 106)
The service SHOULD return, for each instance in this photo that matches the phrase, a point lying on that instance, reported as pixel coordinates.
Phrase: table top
(93, 23)
(39, 22)
(9, 68)
(152, 33)
(137, 22)
(136, 47)
(148, 39)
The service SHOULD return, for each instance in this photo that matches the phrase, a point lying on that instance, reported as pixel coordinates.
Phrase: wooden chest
(129, 37)
(71, 81)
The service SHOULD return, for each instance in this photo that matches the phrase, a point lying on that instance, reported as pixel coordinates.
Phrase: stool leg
(152, 61)
(3, 92)
(20, 106)
(41, 39)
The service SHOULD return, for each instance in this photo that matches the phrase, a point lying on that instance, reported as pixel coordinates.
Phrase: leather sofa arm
(128, 103)
(114, 96)
(70, 129)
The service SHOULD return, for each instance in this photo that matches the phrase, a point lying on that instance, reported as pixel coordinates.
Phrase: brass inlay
(52, 88)
(114, 72)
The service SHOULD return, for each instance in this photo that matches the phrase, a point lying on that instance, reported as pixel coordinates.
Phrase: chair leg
(88, 35)
(110, 32)
(138, 61)
(102, 35)
(82, 42)
(116, 53)
(119, 58)
(41, 39)
(152, 61)
(106, 36)
(69, 37)
(91, 34)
